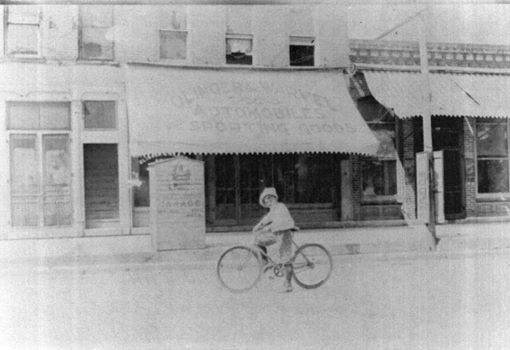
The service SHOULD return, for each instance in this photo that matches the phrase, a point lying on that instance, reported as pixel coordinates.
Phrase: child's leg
(286, 255)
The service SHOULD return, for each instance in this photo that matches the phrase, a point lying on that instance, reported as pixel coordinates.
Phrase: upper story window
(99, 115)
(239, 49)
(239, 41)
(301, 51)
(492, 152)
(173, 34)
(22, 36)
(96, 32)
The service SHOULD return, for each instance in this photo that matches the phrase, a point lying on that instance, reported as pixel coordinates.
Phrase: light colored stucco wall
(136, 32)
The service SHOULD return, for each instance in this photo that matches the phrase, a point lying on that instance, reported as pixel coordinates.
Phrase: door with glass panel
(40, 166)
(447, 136)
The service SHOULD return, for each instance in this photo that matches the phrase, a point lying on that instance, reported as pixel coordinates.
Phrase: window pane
(95, 44)
(301, 55)
(57, 180)
(492, 176)
(172, 44)
(24, 164)
(141, 192)
(23, 116)
(379, 178)
(99, 115)
(239, 51)
(492, 139)
(24, 180)
(55, 116)
(22, 39)
(385, 135)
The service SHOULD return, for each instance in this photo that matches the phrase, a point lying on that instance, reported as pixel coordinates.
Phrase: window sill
(380, 200)
(24, 59)
(493, 197)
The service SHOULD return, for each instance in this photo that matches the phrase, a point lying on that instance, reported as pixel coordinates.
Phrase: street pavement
(428, 300)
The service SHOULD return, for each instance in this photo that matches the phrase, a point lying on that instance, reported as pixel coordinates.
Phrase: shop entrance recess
(447, 136)
(308, 183)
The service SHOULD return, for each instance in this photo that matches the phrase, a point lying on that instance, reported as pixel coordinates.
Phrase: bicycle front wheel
(239, 269)
(312, 265)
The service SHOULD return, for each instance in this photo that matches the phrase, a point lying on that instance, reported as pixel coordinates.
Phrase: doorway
(447, 135)
(101, 185)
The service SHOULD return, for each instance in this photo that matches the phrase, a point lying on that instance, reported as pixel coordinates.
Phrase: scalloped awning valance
(212, 111)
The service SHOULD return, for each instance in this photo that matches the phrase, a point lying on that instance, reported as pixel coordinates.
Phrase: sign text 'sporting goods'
(177, 204)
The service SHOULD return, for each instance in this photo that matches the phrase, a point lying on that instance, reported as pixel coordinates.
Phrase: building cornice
(406, 53)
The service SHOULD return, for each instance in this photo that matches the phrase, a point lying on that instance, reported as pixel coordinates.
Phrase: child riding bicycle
(276, 226)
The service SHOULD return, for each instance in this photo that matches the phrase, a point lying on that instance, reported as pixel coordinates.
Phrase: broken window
(301, 51)
(492, 155)
(96, 32)
(23, 30)
(239, 49)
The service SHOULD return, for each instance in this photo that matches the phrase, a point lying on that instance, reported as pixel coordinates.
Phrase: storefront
(469, 124)
(293, 130)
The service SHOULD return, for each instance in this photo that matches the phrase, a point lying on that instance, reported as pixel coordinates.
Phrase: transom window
(492, 155)
(99, 115)
(96, 32)
(40, 165)
(23, 30)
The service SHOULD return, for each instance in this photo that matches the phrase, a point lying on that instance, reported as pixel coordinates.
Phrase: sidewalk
(364, 243)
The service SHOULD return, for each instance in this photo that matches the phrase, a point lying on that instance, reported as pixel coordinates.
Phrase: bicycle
(240, 268)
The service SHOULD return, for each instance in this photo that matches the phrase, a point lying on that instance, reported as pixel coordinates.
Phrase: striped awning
(453, 94)
(214, 111)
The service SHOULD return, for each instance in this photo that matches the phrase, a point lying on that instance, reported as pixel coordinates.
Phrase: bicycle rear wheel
(312, 265)
(239, 269)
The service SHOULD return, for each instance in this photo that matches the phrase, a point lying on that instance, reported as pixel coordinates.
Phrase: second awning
(195, 110)
(453, 94)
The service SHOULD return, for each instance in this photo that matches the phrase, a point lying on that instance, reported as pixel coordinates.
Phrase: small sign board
(423, 187)
(177, 204)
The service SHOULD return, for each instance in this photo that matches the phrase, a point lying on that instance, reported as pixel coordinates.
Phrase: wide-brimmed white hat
(268, 191)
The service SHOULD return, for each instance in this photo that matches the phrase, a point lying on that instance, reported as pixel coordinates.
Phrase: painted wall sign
(177, 204)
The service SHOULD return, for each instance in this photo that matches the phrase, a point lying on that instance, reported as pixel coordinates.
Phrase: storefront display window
(492, 155)
(379, 173)
(40, 164)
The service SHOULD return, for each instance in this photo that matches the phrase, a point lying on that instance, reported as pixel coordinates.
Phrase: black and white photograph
(255, 174)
